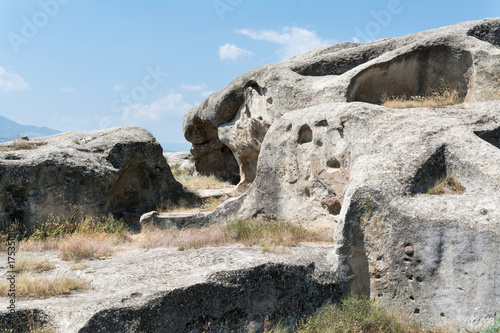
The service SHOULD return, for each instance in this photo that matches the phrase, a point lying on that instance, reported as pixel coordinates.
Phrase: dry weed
(78, 247)
(29, 286)
(35, 265)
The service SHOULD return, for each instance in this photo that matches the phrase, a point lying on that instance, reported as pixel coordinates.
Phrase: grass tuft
(436, 97)
(18, 144)
(358, 314)
(266, 233)
(24, 264)
(28, 286)
(446, 185)
(79, 247)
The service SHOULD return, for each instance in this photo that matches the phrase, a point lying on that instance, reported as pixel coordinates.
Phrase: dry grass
(78, 247)
(18, 144)
(269, 234)
(35, 265)
(29, 286)
(202, 182)
(357, 314)
(439, 96)
(208, 205)
(446, 185)
(78, 266)
(436, 100)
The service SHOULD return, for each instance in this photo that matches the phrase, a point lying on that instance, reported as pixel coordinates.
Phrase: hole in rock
(323, 122)
(442, 314)
(430, 172)
(417, 311)
(412, 298)
(289, 127)
(305, 134)
(269, 100)
(419, 279)
(319, 143)
(413, 74)
(492, 136)
(333, 163)
(307, 192)
(486, 32)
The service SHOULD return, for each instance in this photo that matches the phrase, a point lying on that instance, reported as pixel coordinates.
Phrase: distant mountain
(11, 130)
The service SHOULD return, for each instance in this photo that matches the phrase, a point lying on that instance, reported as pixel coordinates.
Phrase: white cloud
(172, 103)
(118, 87)
(11, 82)
(294, 40)
(193, 87)
(233, 53)
(66, 90)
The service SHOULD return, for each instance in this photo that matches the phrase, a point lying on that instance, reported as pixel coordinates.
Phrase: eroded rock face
(365, 171)
(120, 171)
(465, 56)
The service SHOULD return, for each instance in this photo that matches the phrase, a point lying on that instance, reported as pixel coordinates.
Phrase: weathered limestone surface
(236, 119)
(224, 289)
(120, 171)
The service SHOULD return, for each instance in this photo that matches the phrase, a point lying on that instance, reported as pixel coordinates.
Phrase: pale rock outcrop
(465, 56)
(120, 171)
(222, 289)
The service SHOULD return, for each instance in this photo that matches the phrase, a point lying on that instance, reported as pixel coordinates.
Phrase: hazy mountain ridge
(10, 130)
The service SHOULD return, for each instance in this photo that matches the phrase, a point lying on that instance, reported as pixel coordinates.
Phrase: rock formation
(228, 128)
(120, 171)
(309, 133)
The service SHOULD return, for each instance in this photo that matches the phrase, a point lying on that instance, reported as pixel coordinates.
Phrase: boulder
(182, 160)
(120, 171)
(227, 129)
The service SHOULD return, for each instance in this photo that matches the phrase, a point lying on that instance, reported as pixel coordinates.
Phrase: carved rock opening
(413, 74)
(305, 134)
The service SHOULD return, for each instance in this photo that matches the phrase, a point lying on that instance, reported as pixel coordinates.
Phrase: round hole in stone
(410, 277)
(378, 276)
(379, 295)
(416, 311)
(333, 163)
(412, 298)
(419, 279)
(442, 314)
(380, 258)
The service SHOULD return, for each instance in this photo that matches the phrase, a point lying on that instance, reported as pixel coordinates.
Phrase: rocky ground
(167, 290)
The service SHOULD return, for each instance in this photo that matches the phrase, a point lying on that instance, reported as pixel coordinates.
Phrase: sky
(93, 64)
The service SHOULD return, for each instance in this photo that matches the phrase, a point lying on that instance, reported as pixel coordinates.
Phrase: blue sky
(90, 64)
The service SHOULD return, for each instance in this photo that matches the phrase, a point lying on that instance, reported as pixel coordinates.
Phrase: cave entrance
(413, 74)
